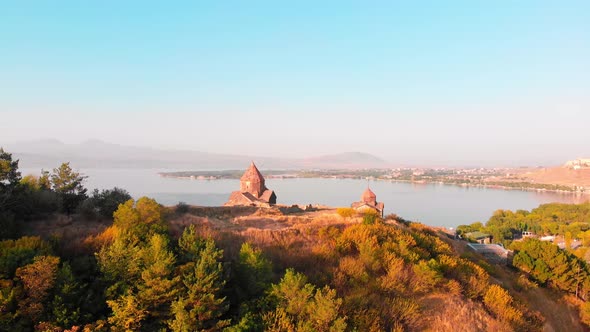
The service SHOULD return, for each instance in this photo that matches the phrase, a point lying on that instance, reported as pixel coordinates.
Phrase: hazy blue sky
(415, 81)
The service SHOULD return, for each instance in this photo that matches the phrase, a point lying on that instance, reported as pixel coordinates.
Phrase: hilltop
(560, 176)
(573, 173)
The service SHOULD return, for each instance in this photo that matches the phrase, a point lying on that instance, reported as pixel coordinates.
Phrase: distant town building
(579, 163)
(368, 202)
(479, 237)
(253, 191)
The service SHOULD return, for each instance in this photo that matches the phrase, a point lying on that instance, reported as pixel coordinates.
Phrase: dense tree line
(572, 220)
(545, 263)
(550, 266)
(61, 190)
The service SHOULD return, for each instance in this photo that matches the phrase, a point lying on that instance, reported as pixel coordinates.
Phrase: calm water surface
(431, 204)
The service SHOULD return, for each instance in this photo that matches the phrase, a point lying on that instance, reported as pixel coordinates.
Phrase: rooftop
(252, 174)
(476, 235)
(369, 194)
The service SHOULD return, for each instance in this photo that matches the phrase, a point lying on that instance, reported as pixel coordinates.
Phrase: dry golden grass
(552, 308)
(442, 312)
(71, 231)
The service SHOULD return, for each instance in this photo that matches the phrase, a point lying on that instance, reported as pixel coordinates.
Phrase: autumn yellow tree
(38, 278)
(499, 302)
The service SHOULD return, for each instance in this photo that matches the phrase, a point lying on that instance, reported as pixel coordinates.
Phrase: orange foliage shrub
(106, 237)
(404, 311)
(38, 278)
(453, 287)
(346, 213)
(585, 313)
(499, 302)
(354, 270)
(425, 276)
(396, 277)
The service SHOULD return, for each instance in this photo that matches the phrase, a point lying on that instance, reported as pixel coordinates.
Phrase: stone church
(253, 191)
(368, 202)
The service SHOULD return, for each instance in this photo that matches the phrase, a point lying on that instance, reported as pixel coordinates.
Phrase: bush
(370, 217)
(396, 218)
(88, 208)
(300, 306)
(499, 302)
(16, 253)
(182, 207)
(405, 312)
(523, 283)
(108, 201)
(426, 276)
(35, 198)
(46, 201)
(345, 213)
(8, 227)
(253, 272)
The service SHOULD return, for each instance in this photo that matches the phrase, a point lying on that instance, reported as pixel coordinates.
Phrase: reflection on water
(432, 204)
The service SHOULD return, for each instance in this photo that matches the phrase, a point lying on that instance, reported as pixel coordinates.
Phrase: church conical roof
(252, 174)
(369, 195)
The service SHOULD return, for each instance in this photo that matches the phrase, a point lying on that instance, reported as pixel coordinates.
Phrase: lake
(431, 204)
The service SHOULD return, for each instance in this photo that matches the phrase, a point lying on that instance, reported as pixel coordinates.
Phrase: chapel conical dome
(252, 174)
(369, 196)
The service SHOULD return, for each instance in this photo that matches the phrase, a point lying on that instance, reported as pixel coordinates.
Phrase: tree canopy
(68, 184)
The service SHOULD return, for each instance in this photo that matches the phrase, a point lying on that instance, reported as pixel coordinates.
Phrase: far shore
(224, 175)
(569, 192)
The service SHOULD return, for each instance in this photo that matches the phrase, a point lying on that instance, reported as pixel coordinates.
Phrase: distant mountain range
(49, 153)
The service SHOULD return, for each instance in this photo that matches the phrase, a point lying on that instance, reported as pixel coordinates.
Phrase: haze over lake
(431, 204)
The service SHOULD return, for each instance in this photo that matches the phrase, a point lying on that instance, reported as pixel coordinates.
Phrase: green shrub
(370, 217)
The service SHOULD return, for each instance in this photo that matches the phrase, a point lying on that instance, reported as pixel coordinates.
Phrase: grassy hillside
(267, 270)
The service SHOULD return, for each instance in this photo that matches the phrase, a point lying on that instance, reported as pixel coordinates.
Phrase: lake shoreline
(463, 185)
(431, 204)
(540, 190)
